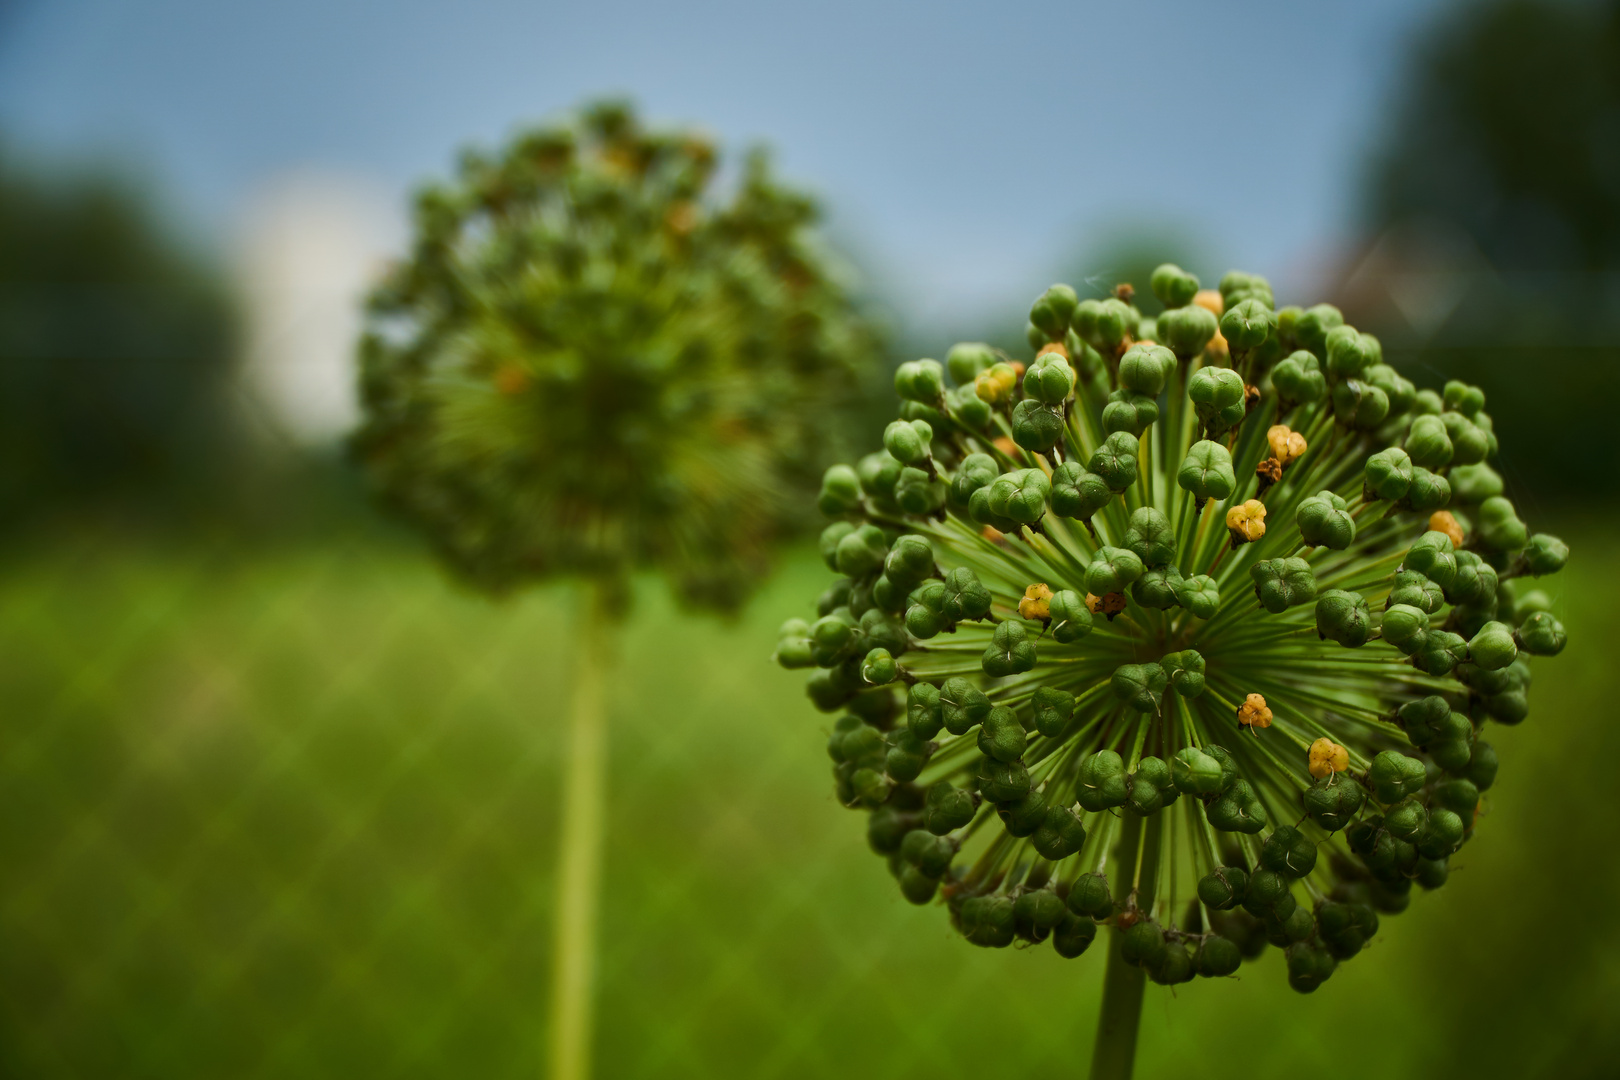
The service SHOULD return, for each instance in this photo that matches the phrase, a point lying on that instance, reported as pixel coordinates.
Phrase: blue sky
(966, 151)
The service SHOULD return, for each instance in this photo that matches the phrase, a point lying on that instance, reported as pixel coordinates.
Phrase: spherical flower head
(1294, 682)
(1246, 521)
(592, 362)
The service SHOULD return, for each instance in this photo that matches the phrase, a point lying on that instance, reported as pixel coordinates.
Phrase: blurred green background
(277, 799)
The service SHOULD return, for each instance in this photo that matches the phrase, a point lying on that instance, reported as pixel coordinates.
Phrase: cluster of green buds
(1188, 625)
(590, 363)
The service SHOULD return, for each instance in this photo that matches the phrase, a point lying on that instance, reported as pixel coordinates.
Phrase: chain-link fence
(292, 812)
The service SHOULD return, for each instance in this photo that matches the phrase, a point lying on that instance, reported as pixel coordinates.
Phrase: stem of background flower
(579, 867)
(1114, 1055)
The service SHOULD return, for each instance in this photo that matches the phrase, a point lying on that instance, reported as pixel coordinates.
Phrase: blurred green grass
(292, 813)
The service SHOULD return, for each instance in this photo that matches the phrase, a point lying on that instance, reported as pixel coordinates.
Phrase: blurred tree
(1493, 212)
(115, 345)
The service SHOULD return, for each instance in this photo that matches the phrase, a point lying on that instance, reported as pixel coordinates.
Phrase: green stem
(579, 870)
(1114, 1055)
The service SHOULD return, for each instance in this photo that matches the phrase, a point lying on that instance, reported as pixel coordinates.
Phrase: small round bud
(1493, 648)
(1186, 671)
(1060, 835)
(1499, 527)
(1287, 445)
(1288, 851)
(1312, 327)
(1010, 651)
(1073, 936)
(1112, 569)
(1343, 617)
(1186, 330)
(907, 441)
(1206, 472)
(1143, 944)
(920, 380)
(1327, 757)
(1175, 966)
(1544, 554)
(1003, 782)
(1407, 820)
(1037, 912)
(1394, 776)
(1144, 368)
(1457, 795)
(988, 921)
(1213, 390)
(1052, 311)
(1115, 461)
(1333, 802)
(1348, 353)
(1195, 772)
(1023, 816)
(1280, 584)
(1324, 521)
(1090, 898)
(1217, 957)
(1541, 635)
(1050, 379)
(1359, 405)
(1389, 474)
(1237, 810)
(966, 359)
(1071, 619)
(1036, 427)
(1130, 412)
(1268, 895)
(1077, 493)
(1247, 324)
(1001, 736)
(840, 491)
(1428, 443)
(1223, 887)
(1054, 710)
(1298, 378)
(1139, 685)
(962, 705)
(1432, 556)
(1149, 537)
(878, 667)
(1101, 781)
(1173, 286)
(1199, 595)
(947, 807)
(922, 710)
(967, 408)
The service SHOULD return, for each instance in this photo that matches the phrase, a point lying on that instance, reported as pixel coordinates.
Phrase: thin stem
(1114, 1055)
(579, 870)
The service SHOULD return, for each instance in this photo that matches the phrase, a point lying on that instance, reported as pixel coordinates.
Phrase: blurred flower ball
(1222, 578)
(592, 362)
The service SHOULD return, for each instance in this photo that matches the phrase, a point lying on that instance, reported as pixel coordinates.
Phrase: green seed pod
(840, 491)
(1470, 443)
(907, 441)
(1003, 782)
(1010, 651)
(1206, 472)
(1415, 590)
(910, 560)
(1139, 685)
(1472, 484)
(1428, 443)
(1223, 888)
(1288, 852)
(1212, 390)
(1432, 557)
(1299, 926)
(1195, 772)
(1280, 584)
(1474, 583)
(1229, 770)
(1340, 929)
(946, 808)
(886, 827)
(967, 408)
(1359, 405)
(1440, 651)
(1149, 537)
(1217, 957)
(1104, 324)
(878, 667)
(1115, 461)
(1089, 897)
(862, 552)
(1333, 801)
(1389, 474)
(1407, 820)
(1143, 944)
(966, 359)
(1175, 966)
(831, 537)
(1023, 817)
(1541, 635)
(1348, 353)
(1312, 328)
(1128, 411)
(1394, 776)
(1499, 527)
(1036, 427)
(1054, 710)
(1465, 399)
(1061, 835)
(1144, 368)
(916, 493)
(1298, 378)
(1268, 895)
(1247, 324)
(1173, 286)
(1429, 718)
(1238, 810)
(962, 705)
(1049, 379)
(1101, 781)
(1431, 873)
(1343, 617)
(1309, 966)
(1186, 330)
(1186, 671)
(1001, 736)
(918, 888)
(1157, 588)
(920, 380)
(1481, 771)
(1073, 936)
(1493, 648)
(975, 472)
(1071, 619)
(1429, 492)
(965, 595)
(1444, 834)
(1077, 493)
(1037, 912)
(1199, 595)
(1398, 389)
(1020, 495)
(1324, 521)
(930, 854)
(1457, 795)
(1544, 554)
(871, 786)
(988, 921)
(1052, 311)
(922, 710)
(1112, 569)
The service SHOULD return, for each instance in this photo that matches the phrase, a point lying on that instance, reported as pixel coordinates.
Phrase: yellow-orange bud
(1247, 521)
(1286, 444)
(1037, 602)
(1328, 757)
(1442, 521)
(1253, 712)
